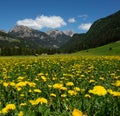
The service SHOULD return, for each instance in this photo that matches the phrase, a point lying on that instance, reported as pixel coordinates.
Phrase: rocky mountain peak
(23, 32)
(55, 33)
(69, 32)
(19, 28)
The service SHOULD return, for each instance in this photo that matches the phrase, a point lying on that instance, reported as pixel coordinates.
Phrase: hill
(51, 39)
(109, 49)
(102, 31)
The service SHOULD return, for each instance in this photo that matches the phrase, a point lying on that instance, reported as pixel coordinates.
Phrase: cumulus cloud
(85, 26)
(83, 16)
(43, 22)
(71, 20)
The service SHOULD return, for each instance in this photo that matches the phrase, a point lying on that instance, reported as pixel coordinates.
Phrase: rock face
(58, 37)
(53, 38)
(69, 33)
(26, 32)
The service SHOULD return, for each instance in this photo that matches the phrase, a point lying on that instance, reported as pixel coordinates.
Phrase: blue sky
(43, 15)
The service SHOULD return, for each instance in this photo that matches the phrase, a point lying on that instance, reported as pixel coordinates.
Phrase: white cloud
(43, 22)
(85, 26)
(83, 16)
(71, 20)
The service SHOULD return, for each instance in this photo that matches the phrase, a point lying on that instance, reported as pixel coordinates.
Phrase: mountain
(7, 40)
(58, 37)
(102, 31)
(51, 39)
(69, 33)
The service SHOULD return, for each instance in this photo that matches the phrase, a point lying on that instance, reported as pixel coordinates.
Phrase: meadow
(60, 85)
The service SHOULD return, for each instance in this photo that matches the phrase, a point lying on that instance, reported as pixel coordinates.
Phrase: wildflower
(117, 83)
(77, 112)
(33, 102)
(76, 88)
(63, 88)
(8, 108)
(101, 78)
(23, 104)
(20, 78)
(92, 81)
(5, 84)
(87, 96)
(63, 95)
(12, 83)
(21, 113)
(43, 78)
(57, 86)
(11, 106)
(70, 84)
(114, 93)
(37, 90)
(53, 95)
(32, 84)
(71, 92)
(18, 88)
(41, 100)
(22, 95)
(98, 90)
(49, 86)
(40, 74)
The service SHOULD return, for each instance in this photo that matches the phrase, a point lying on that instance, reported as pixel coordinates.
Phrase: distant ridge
(102, 31)
(50, 39)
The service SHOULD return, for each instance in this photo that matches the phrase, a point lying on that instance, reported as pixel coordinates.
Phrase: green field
(60, 85)
(110, 49)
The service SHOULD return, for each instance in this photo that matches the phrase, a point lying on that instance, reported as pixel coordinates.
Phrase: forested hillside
(102, 31)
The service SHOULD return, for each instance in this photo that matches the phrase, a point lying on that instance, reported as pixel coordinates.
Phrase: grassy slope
(103, 50)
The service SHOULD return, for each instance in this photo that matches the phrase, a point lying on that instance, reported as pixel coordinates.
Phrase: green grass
(103, 50)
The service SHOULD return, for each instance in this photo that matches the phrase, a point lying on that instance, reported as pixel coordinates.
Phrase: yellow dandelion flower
(22, 95)
(114, 93)
(40, 74)
(37, 90)
(77, 112)
(57, 86)
(20, 78)
(41, 100)
(98, 90)
(5, 84)
(43, 78)
(63, 88)
(70, 84)
(23, 104)
(117, 83)
(11, 106)
(63, 95)
(8, 108)
(33, 102)
(49, 86)
(72, 92)
(92, 81)
(87, 96)
(12, 84)
(101, 78)
(53, 95)
(76, 88)
(20, 113)
(4, 111)
(18, 88)
(30, 90)
(32, 84)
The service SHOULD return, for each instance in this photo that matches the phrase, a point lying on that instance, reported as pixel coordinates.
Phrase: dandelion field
(63, 85)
